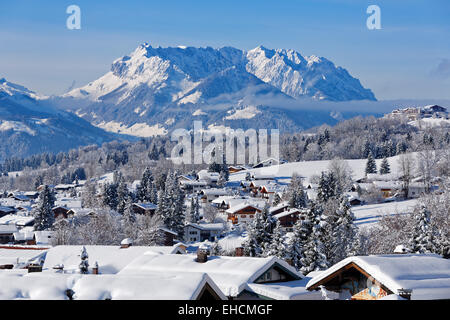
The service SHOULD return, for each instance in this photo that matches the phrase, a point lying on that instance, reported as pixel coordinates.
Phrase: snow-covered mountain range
(154, 90)
(29, 125)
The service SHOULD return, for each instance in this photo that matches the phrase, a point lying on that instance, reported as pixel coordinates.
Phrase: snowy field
(368, 215)
(308, 169)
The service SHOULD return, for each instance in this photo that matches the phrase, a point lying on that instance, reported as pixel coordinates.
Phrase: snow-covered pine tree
(149, 232)
(371, 166)
(276, 199)
(122, 194)
(296, 194)
(43, 214)
(147, 191)
(314, 253)
(422, 238)
(194, 210)
(384, 167)
(277, 246)
(257, 237)
(173, 210)
(129, 219)
(327, 187)
(344, 232)
(269, 222)
(110, 195)
(84, 264)
(221, 181)
(216, 249)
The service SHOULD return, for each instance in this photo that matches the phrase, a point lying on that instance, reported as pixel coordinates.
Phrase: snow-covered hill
(28, 125)
(165, 87)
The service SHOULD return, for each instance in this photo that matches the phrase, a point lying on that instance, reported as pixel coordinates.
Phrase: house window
(243, 216)
(250, 216)
(193, 232)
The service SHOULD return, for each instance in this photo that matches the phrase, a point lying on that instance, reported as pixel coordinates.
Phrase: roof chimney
(202, 253)
(405, 293)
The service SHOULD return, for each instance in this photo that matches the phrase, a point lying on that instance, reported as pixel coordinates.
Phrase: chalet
(7, 233)
(288, 218)
(410, 276)
(416, 189)
(208, 195)
(32, 195)
(144, 208)
(268, 191)
(192, 185)
(199, 232)
(60, 211)
(209, 177)
(63, 187)
(80, 212)
(387, 188)
(242, 213)
(169, 236)
(234, 169)
(4, 210)
(269, 162)
(279, 208)
(233, 275)
(20, 221)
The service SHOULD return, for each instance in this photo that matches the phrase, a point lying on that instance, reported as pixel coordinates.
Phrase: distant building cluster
(418, 113)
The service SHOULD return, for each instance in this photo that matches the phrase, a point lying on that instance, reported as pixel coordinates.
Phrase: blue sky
(408, 58)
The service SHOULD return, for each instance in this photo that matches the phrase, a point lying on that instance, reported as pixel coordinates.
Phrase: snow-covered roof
(146, 206)
(111, 259)
(7, 228)
(231, 274)
(428, 275)
(290, 290)
(286, 213)
(156, 286)
(36, 285)
(206, 226)
(15, 219)
(53, 286)
(43, 237)
(214, 192)
(12, 255)
(241, 206)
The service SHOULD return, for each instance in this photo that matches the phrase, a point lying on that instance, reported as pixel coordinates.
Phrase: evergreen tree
(371, 166)
(344, 233)
(122, 194)
(276, 200)
(257, 236)
(385, 168)
(327, 187)
(297, 243)
(147, 191)
(296, 194)
(129, 219)
(221, 181)
(171, 205)
(216, 249)
(314, 252)
(277, 246)
(84, 264)
(422, 240)
(194, 211)
(43, 214)
(109, 195)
